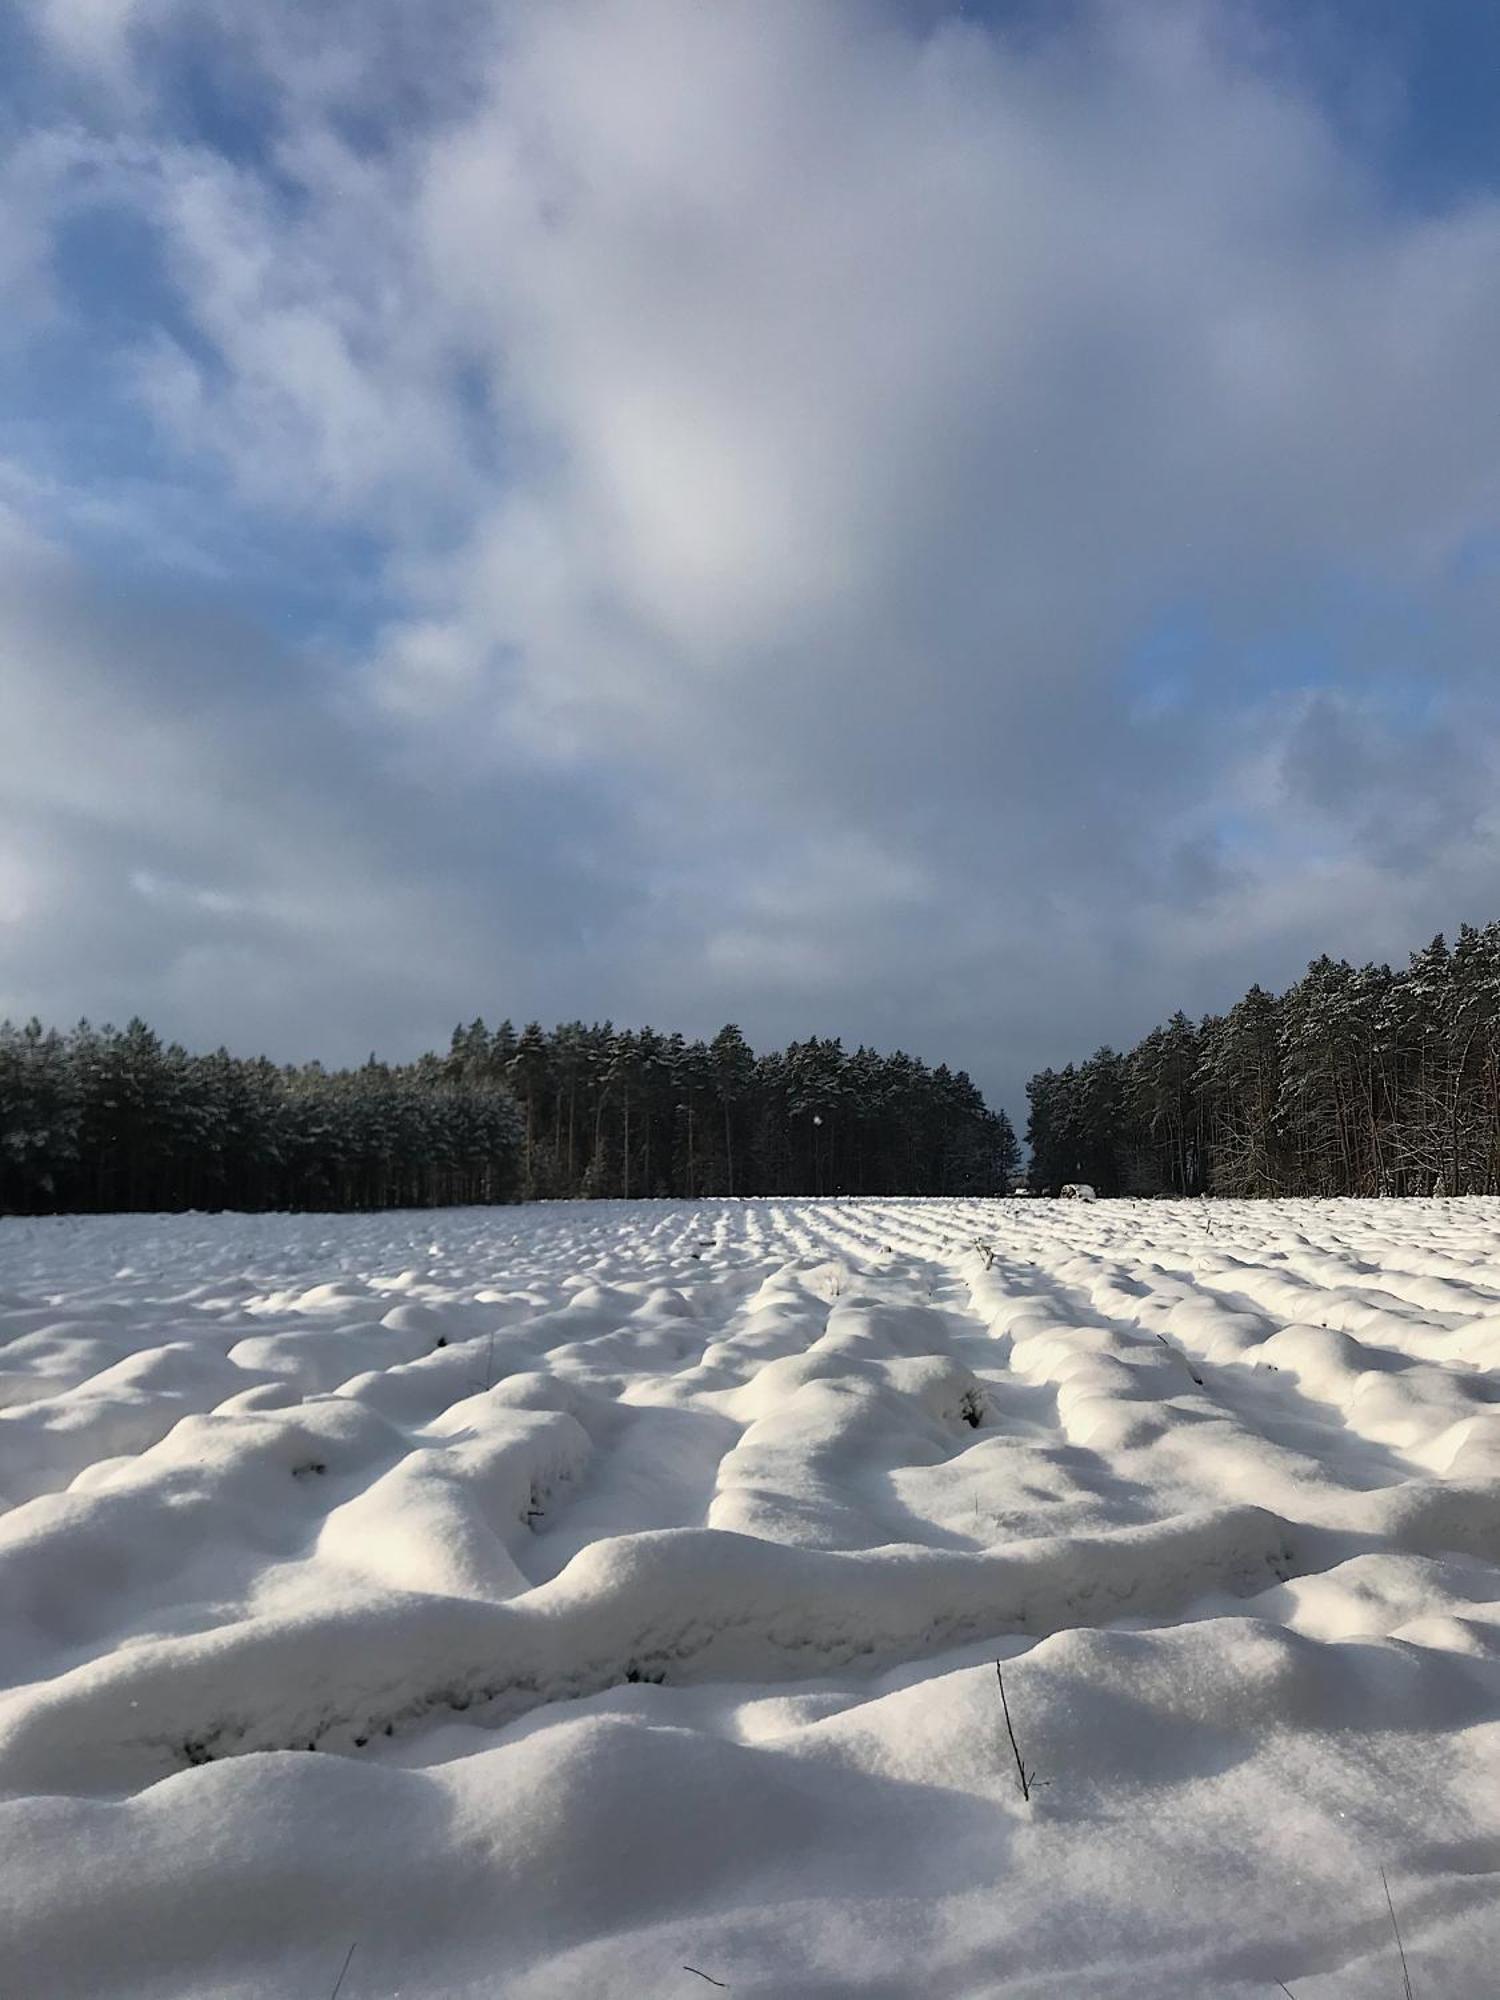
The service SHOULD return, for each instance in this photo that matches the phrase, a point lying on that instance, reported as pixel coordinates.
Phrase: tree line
(609, 1111)
(112, 1119)
(1356, 1081)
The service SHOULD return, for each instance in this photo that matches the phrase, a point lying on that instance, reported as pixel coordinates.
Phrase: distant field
(636, 1575)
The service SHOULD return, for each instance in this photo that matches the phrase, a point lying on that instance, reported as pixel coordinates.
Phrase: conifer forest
(1357, 1080)
(112, 1119)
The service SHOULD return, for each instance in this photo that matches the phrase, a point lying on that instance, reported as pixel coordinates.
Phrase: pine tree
(733, 1071)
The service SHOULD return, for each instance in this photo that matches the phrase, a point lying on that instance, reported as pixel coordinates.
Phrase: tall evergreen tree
(733, 1072)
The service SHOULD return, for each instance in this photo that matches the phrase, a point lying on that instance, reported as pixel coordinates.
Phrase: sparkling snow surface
(545, 1602)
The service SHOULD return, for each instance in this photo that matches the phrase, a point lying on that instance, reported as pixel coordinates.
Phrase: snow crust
(549, 1601)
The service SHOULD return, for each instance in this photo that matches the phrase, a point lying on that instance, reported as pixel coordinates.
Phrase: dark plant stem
(1028, 1778)
(1400, 1947)
(334, 1995)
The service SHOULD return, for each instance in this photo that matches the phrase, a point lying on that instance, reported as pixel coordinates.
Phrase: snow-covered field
(549, 1601)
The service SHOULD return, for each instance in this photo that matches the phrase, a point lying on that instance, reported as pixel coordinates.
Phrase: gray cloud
(187, 829)
(781, 429)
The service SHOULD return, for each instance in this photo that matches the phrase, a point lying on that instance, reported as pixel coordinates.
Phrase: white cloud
(789, 421)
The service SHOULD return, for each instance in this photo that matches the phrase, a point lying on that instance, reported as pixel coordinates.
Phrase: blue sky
(962, 527)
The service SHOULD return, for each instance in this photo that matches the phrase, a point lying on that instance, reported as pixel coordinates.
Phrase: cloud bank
(961, 531)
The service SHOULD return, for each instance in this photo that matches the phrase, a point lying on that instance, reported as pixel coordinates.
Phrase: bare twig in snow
(1400, 1947)
(334, 1995)
(1182, 1358)
(1028, 1778)
(708, 1976)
